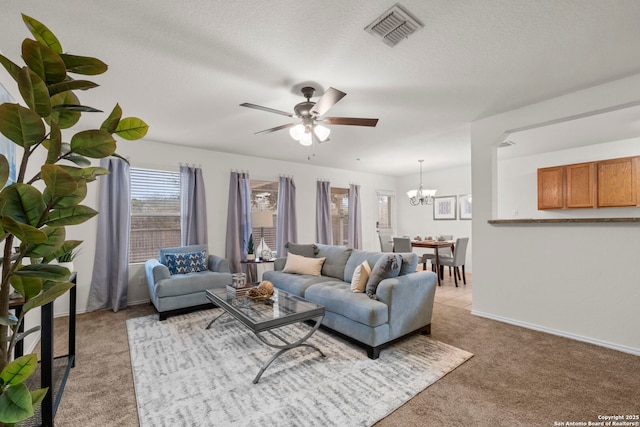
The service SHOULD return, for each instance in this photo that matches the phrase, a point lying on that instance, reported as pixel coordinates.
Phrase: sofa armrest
(218, 264)
(410, 301)
(155, 271)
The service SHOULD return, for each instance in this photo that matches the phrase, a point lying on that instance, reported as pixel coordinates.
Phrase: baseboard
(618, 347)
(84, 310)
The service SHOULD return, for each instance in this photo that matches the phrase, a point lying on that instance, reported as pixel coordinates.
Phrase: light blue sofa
(404, 304)
(181, 293)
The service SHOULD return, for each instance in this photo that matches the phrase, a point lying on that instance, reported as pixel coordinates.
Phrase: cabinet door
(617, 182)
(551, 188)
(580, 182)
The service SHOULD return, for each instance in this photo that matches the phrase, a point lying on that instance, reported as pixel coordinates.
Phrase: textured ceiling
(186, 66)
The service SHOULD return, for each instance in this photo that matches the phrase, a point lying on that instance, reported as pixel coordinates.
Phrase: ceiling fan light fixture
(297, 132)
(322, 132)
(306, 139)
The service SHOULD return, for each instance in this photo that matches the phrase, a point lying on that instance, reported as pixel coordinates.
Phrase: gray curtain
(110, 278)
(323, 213)
(287, 228)
(193, 215)
(355, 223)
(238, 220)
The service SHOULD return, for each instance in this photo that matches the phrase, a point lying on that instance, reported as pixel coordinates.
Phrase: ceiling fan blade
(326, 101)
(267, 109)
(277, 128)
(352, 121)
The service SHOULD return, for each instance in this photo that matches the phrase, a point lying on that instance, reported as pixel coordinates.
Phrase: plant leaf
(43, 61)
(34, 92)
(57, 273)
(78, 160)
(67, 246)
(75, 107)
(55, 144)
(21, 125)
(4, 170)
(131, 128)
(38, 395)
(83, 65)
(49, 295)
(26, 233)
(23, 203)
(42, 33)
(68, 201)
(70, 84)
(16, 404)
(70, 216)
(55, 240)
(19, 369)
(28, 287)
(58, 182)
(64, 118)
(10, 66)
(89, 174)
(111, 123)
(21, 335)
(93, 143)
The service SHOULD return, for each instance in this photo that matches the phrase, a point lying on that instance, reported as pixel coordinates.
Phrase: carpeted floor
(517, 377)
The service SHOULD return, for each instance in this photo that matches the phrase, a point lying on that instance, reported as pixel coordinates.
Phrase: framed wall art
(444, 207)
(465, 206)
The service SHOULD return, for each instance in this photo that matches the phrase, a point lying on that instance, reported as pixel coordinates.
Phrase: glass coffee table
(266, 316)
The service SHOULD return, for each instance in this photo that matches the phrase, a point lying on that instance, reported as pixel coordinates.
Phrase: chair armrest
(218, 264)
(410, 300)
(155, 271)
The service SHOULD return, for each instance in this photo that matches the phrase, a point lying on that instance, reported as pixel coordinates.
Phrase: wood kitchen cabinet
(604, 183)
(618, 182)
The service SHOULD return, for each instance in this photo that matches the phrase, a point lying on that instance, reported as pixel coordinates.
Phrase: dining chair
(431, 256)
(402, 244)
(455, 261)
(386, 242)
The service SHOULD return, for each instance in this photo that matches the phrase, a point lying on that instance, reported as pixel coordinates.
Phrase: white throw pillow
(360, 277)
(302, 265)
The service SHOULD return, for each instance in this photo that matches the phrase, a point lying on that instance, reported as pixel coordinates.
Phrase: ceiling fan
(310, 127)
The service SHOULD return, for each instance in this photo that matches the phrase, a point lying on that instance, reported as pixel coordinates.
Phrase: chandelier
(421, 196)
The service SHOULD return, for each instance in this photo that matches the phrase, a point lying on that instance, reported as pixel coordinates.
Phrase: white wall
(517, 180)
(216, 168)
(413, 220)
(576, 280)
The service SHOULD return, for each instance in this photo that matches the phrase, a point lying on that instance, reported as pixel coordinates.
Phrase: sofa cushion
(387, 266)
(309, 250)
(409, 263)
(337, 297)
(183, 284)
(356, 258)
(188, 262)
(302, 265)
(295, 284)
(336, 260)
(360, 277)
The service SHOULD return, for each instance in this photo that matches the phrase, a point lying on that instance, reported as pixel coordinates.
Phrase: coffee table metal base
(286, 346)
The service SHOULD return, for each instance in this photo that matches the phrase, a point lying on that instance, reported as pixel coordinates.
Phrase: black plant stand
(53, 370)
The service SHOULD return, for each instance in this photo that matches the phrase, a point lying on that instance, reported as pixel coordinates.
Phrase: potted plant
(66, 259)
(250, 249)
(34, 210)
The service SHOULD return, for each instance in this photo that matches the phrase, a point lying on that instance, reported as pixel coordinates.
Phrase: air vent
(394, 25)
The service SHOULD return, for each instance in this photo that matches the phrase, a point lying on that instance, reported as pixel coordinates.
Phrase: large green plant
(37, 218)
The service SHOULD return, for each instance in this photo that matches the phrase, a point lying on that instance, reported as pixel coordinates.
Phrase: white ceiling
(185, 66)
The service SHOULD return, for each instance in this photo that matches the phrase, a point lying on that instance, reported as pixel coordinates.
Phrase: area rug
(185, 375)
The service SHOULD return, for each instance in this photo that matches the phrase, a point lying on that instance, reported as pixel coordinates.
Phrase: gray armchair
(182, 292)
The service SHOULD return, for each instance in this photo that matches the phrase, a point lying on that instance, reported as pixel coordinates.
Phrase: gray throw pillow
(308, 251)
(387, 266)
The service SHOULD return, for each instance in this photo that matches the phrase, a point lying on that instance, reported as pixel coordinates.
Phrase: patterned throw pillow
(387, 266)
(188, 262)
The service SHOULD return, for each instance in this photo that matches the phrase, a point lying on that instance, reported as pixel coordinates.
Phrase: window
(264, 198)
(340, 216)
(155, 213)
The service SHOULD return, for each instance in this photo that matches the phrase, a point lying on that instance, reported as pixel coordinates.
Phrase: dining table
(435, 245)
